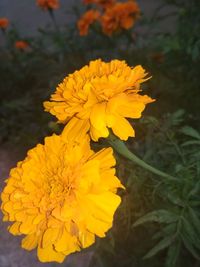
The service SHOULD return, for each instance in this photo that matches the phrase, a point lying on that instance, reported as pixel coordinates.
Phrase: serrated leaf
(195, 189)
(167, 230)
(195, 220)
(190, 232)
(189, 143)
(190, 246)
(172, 254)
(164, 243)
(157, 235)
(177, 117)
(179, 113)
(175, 199)
(187, 130)
(160, 216)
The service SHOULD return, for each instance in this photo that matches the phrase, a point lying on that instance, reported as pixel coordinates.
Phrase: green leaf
(167, 230)
(195, 220)
(164, 243)
(190, 232)
(177, 117)
(175, 199)
(188, 143)
(190, 246)
(195, 189)
(160, 216)
(187, 130)
(172, 254)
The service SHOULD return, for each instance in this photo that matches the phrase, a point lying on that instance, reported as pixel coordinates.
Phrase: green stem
(51, 13)
(122, 149)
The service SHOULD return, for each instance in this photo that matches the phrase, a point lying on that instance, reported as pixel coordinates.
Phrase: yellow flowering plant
(101, 96)
(63, 194)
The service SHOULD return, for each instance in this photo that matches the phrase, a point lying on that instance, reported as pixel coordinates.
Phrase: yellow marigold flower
(100, 96)
(119, 16)
(86, 20)
(48, 4)
(4, 22)
(61, 196)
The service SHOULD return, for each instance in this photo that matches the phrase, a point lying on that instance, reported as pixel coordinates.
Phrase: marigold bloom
(48, 4)
(86, 20)
(4, 22)
(21, 45)
(100, 3)
(101, 96)
(119, 16)
(61, 196)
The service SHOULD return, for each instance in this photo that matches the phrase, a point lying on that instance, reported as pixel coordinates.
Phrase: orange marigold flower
(21, 45)
(86, 20)
(101, 96)
(86, 2)
(61, 196)
(4, 22)
(119, 16)
(48, 4)
(101, 3)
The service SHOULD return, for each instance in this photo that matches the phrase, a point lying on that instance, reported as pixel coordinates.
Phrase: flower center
(62, 183)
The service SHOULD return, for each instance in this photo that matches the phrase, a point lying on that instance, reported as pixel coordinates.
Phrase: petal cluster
(120, 16)
(101, 96)
(61, 196)
(100, 3)
(4, 22)
(113, 16)
(86, 20)
(21, 45)
(48, 4)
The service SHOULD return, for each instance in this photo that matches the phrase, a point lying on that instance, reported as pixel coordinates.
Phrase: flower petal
(123, 129)
(48, 254)
(98, 119)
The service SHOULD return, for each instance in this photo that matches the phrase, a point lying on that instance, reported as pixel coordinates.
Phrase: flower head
(101, 95)
(100, 3)
(119, 16)
(61, 196)
(4, 22)
(86, 20)
(21, 45)
(48, 4)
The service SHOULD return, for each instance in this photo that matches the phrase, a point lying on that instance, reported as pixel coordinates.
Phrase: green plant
(158, 215)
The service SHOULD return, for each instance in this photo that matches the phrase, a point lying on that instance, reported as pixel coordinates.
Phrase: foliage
(159, 217)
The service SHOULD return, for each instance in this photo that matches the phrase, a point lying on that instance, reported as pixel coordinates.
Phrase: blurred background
(158, 222)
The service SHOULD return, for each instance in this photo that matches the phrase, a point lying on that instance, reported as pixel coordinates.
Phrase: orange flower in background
(61, 196)
(105, 3)
(86, 2)
(101, 3)
(88, 18)
(48, 4)
(100, 96)
(4, 22)
(120, 16)
(21, 45)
